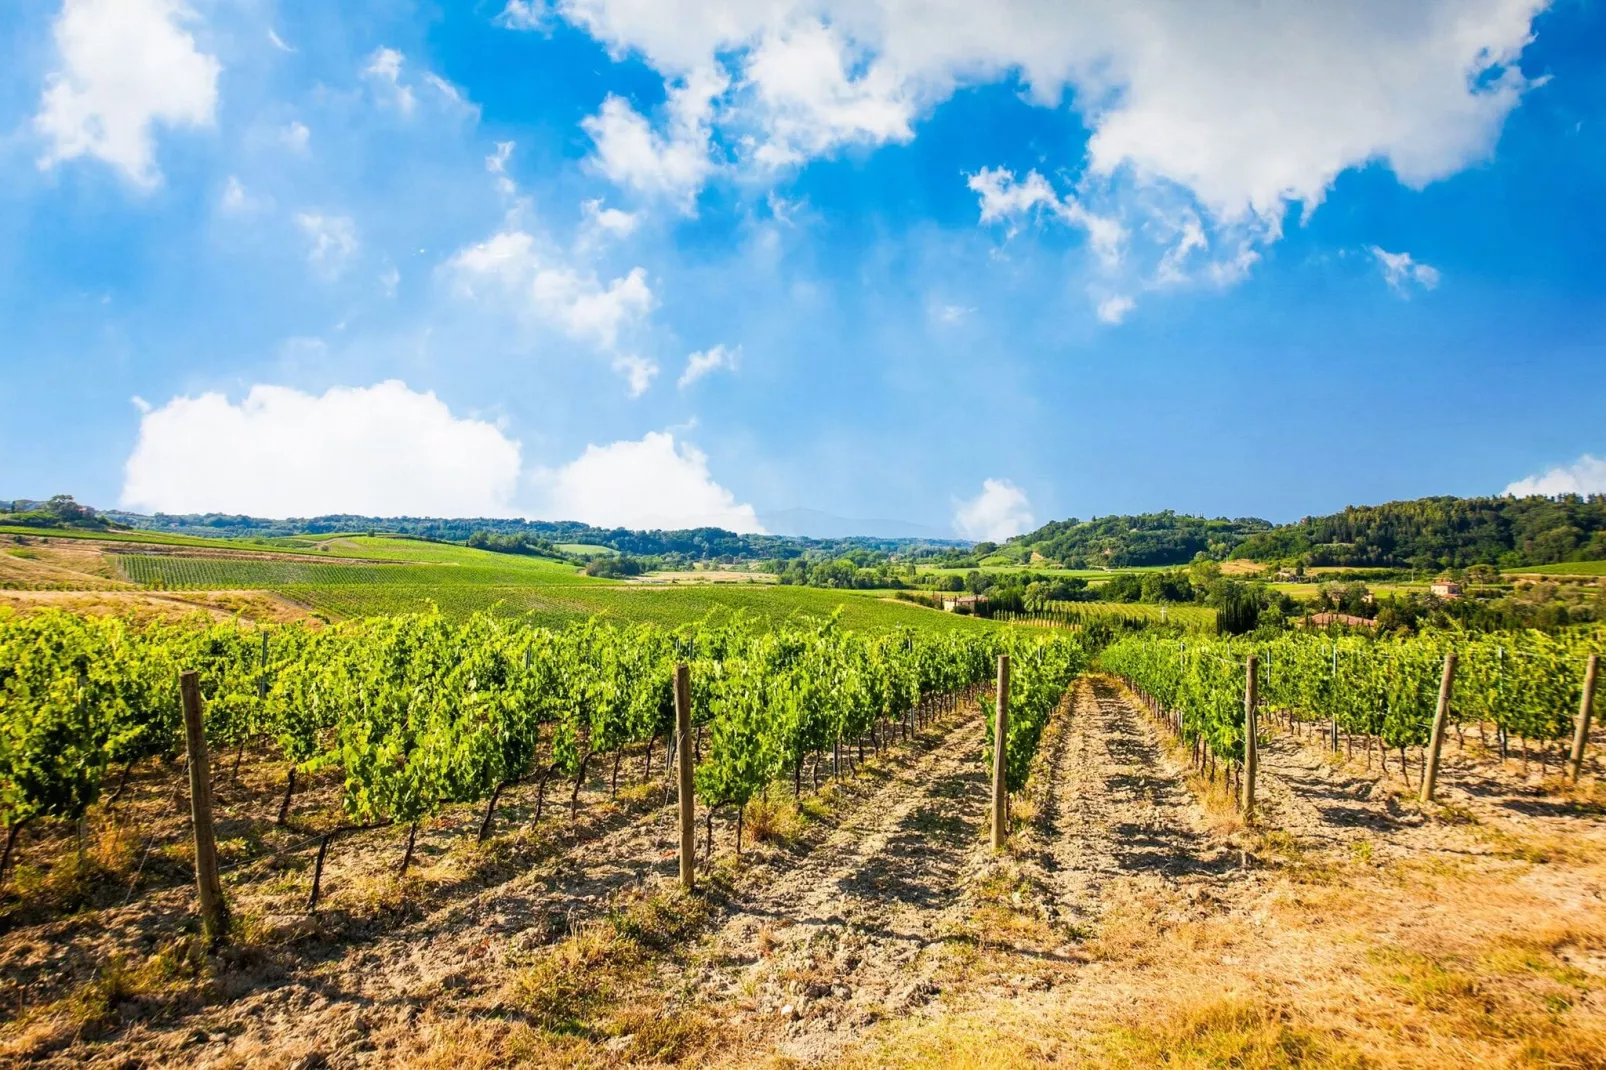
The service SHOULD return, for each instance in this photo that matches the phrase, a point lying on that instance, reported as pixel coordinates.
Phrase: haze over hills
(1438, 532)
(815, 524)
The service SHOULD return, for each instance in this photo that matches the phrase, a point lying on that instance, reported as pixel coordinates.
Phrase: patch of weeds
(772, 818)
(568, 987)
(665, 1039)
(1226, 1032)
(1451, 814)
(1361, 851)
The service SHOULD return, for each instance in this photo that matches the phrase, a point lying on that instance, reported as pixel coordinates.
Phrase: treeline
(1428, 533)
(691, 544)
(1443, 532)
(1166, 538)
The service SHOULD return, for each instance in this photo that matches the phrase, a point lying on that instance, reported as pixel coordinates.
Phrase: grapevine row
(418, 712)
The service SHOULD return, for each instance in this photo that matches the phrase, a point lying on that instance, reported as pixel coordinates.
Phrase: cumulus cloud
(125, 66)
(1587, 475)
(1003, 199)
(709, 360)
(1207, 120)
(639, 372)
(1401, 271)
(653, 483)
(1248, 105)
(672, 164)
(331, 242)
(598, 223)
(383, 450)
(999, 512)
(384, 70)
(1113, 309)
(573, 300)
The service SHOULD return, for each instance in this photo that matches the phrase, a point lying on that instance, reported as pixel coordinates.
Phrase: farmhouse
(951, 603)
(1446, 589)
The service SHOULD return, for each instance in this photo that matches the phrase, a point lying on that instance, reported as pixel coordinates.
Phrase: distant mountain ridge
(814, 524)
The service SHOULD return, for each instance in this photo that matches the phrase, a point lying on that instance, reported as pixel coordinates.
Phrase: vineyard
(417, 712)
(404, 792)
(1526, 686)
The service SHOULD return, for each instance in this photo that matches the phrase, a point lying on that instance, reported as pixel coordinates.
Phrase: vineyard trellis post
(688, 819)
(1251, 748)
(1000, 755)
(1430, 774)
(1581, 735)
(206, 874)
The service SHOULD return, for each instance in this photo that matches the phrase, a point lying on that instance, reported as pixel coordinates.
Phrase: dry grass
(571, 984)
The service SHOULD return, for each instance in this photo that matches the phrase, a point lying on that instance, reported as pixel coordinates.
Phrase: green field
(1566, 568)
(564, 604)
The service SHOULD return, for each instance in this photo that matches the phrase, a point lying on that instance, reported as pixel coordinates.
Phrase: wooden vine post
(1251, 730)
(688, 819)
(1430, 774)
(206, 876)
(1581, 734)
(1000, 756)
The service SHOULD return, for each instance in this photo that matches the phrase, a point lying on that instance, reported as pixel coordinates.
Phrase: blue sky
(967, 266)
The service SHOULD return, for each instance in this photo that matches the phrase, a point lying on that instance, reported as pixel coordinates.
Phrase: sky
(663, 263)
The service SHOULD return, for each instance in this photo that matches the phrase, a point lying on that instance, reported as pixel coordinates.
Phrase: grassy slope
(1567, 568)
(460, 581)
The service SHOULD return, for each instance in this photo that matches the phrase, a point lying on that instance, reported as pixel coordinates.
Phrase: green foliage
(1527, 683)
(1443, 532)
(1166, 538)
(419, 711)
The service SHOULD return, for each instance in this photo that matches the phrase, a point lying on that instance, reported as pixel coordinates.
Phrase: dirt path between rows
(1116, 807)
(819, 946)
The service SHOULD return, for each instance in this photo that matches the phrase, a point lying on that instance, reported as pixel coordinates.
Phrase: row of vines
(1527, 685)
(420, 712)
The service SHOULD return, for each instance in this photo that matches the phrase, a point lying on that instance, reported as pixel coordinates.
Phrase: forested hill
(1166, 538)
(1440, 532)
(1426, 533)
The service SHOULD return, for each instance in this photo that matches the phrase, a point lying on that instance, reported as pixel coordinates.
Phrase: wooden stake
(1000, 754)
(1430, 770)
(1251, 745)
(683, 755)
(1581, 735)
(213, 918)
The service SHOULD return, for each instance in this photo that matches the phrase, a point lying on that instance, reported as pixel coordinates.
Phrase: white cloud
(1003, 199)
(295, 137)
(951, 315)
(383, 450)
(277, 41)
(332, 242)
(673, 164)
(496, 163)
(523, 15)
(709, 360)
(126, 65)
(1249, 105)
(599, 222)
(639, 372)
(1587, 475)
(1231, 109)
(237, 200)
(384, 69)
(653, 483)
(1113, 309)
(997, 513)
(1400, 270)
(574, 301)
